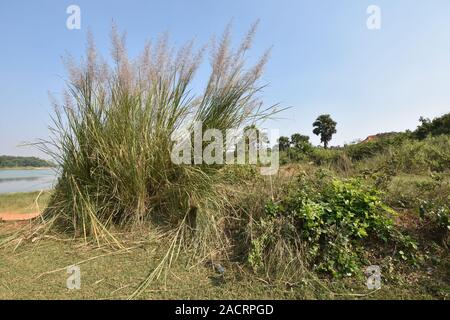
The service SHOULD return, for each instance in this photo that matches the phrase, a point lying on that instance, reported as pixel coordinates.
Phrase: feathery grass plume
(111, 138)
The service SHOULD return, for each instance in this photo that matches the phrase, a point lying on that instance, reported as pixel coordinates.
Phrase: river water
(26, 180)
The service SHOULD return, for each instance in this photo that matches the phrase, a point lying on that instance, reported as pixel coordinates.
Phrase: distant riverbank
(23, 162)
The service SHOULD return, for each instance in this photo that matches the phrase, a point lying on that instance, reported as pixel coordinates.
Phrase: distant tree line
(324, 127)
(12, 161)
(435, 127)
(298, 146)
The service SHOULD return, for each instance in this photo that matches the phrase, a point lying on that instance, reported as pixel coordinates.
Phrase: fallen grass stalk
(125, 250)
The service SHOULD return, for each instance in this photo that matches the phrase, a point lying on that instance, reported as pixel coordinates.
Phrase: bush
(431, 154)
(364, 150)
(239, 173)
(330, 219)
(435, 127)
(114, 135)
(335, 159)
(428, 197)
(411, 157)
(321, 156)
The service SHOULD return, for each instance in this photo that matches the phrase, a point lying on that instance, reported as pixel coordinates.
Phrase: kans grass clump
(112, 141)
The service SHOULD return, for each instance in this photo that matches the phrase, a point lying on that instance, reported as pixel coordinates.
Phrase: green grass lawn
(24, 202)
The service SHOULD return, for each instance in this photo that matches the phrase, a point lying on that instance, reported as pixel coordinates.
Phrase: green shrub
(114, 135)
(437, 126)
(238, 173)
(411, 157)
(294, 154)
(364, 150)
(331, 218)
(335, 159)
(321, 156)
(438, 214)
(431, 154)
(429, 197)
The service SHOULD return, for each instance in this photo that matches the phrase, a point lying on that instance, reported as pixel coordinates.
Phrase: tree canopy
(435, 127)
(325, 127)
(300, 142)
(283, 143)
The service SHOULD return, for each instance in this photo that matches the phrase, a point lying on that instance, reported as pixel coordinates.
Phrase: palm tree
(325, 127)
(283, 143)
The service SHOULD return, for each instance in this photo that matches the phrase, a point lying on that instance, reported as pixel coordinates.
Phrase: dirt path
(11, 216)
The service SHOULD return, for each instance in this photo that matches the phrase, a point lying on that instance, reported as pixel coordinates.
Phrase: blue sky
(324, 59)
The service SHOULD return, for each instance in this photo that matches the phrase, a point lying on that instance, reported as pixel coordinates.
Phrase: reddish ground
(11, 216)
